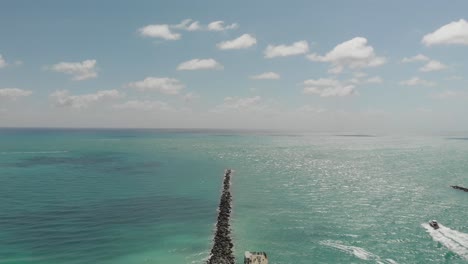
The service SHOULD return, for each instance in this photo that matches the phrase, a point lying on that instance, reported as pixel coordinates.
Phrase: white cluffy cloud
(166, 31)
(13, 93)
(433, 65)
(300, 47)
(79, 70)
(159, 31)
(145, 105)
(416, 58)
(199, 64)
(63, 98)
(328, 87)
(242, 42)
(453, 33)
(192, 25)
(354, 53)
(219, 26)
(266, 76)
(416, 81)
(359, 78)
(189, 25)
(163, 85)
(3, 63)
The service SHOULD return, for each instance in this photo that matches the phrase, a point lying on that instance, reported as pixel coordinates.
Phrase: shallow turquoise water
(140, 196)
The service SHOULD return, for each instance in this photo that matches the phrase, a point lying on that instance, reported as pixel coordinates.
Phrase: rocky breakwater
(459, 188)
(221, 253)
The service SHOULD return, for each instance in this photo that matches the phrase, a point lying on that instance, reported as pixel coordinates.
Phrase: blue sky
(305, 65)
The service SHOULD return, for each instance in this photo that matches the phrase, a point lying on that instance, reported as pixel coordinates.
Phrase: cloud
(453, 33)
(328, 88)
(219, 26)
(359, 79)
(331, 91)
(322, 82)
(190, 97)
(62, 98)
(416, 58)
(416, 81)
(240, 103)
(199, 64)
(354, 53)
(169, 32)
(79, 70)
(3, 63)
(163, 85)
(189, 25)
(192, 25)
(242, 42)
(299, 47)
(159, 31)
(145, 105)
(433, 65)
(13, 93)
(266, 76)
(247, 106)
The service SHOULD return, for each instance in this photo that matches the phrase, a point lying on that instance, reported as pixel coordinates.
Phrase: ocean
(151, 196)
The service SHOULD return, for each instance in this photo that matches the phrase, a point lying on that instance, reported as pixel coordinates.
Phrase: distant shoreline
(453, 135)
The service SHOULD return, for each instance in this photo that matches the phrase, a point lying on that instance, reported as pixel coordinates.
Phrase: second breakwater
(459, 188)
(222, 253)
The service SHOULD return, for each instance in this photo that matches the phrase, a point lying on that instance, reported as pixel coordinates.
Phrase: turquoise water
(141, 196)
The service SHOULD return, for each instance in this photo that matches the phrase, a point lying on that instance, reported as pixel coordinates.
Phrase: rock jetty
(459, 188)
(221, 253)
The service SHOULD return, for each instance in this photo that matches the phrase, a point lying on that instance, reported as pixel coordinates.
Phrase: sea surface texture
(151, 196)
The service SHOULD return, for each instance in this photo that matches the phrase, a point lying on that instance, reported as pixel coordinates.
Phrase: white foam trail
(358, 252)
(455, 241)
(201, 257)
(32, 152)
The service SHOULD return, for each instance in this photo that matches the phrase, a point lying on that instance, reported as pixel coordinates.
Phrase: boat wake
(455, 241)
(357, 252)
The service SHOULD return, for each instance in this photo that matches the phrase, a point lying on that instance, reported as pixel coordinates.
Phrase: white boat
(434, 224)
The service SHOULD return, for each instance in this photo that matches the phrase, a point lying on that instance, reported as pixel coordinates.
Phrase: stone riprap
(222, 253)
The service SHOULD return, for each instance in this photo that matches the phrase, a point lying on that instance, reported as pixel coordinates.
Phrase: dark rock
(221, 253)
(459, 188)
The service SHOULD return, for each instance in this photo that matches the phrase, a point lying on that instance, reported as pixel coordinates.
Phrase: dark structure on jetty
(459, 188)
(221, 253)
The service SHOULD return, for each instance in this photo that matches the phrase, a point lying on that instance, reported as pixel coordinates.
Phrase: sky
(361, 66)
